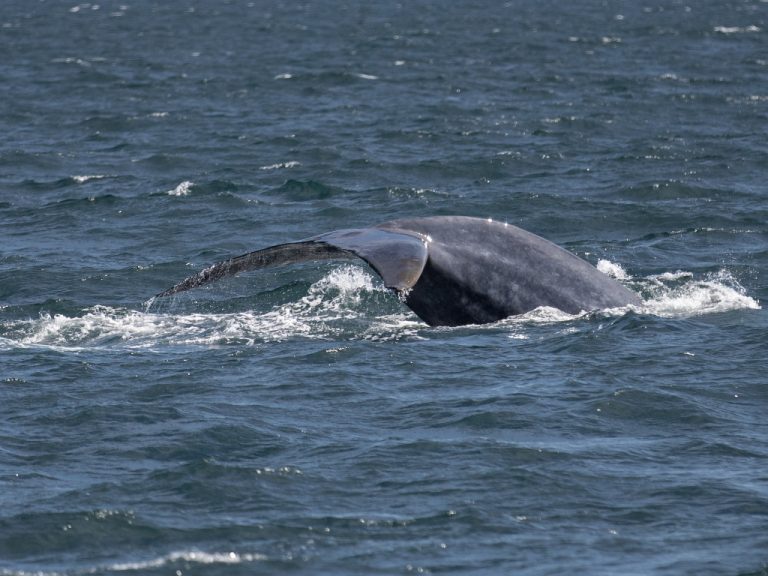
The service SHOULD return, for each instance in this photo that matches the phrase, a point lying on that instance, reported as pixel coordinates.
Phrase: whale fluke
(272, 256)
(450, 270)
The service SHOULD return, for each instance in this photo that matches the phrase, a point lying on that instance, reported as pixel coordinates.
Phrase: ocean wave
(187, 557)
(326, 77)
(300, 190)
(673, 190)
(281, 165)
(61, 183)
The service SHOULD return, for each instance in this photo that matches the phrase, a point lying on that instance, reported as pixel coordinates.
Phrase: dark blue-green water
(301, 420)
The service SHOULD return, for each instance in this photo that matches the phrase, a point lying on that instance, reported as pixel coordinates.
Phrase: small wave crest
(82, 179)
(542, 315)
(737, 29)
(187, 557)
(180, 559)
(281, 165)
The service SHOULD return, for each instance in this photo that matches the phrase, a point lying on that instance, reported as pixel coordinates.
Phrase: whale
(450, 270)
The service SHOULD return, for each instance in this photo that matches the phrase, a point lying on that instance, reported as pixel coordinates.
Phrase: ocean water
(302, 420)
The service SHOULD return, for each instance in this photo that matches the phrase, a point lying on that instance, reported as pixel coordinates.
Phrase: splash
(182, 189)
(612, 269)
(669, 294)
(681, 294)
(346, 303)
(337, 305)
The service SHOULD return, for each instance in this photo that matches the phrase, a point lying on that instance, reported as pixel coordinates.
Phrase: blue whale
(450, 270)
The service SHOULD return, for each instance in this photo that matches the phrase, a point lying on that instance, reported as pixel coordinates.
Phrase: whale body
(450, 270)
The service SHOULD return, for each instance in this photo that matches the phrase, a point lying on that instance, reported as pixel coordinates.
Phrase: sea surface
(302, 420)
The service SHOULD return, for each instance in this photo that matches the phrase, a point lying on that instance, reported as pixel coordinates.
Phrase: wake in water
(336, 306)
(679, 293)
(346, 303)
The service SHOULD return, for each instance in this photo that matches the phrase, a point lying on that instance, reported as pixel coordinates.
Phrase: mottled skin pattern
(451, 270)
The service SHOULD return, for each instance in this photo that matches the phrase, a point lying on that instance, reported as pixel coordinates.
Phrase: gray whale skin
(451, 270)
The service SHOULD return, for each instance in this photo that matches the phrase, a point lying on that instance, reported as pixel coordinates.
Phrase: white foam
(6, 572)
(349, 280)
(191, 556)
(541, 315)
(670, 294)
(182, 189)
(394, 327)
(329, 302)
(291, 164)
(99, 325)
(612, 269)
(544, 315)
(103, 327)
(736, 29)
(86, 178)
(717, 292)
(672, 276)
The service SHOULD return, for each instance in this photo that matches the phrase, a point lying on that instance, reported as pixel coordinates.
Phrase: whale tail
(450, 270)
(397, 257)
(273, 256)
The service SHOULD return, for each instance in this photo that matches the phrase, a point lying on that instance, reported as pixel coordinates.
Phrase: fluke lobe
(450, 270)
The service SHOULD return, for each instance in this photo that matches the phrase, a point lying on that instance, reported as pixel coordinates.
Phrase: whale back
(480, 271)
